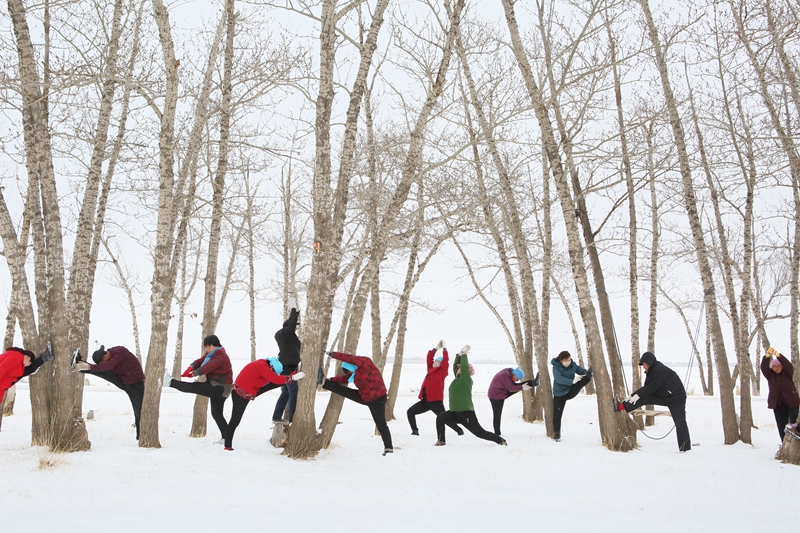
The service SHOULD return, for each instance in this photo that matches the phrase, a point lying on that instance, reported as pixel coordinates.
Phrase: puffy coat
(503, 384)
(122, 363)
(564, 376)
(254, 376)
(433, 384)
(781, 385)
(289, 344)
(218, 368)
(368, 379)
(661, 382)
(460, 390)
(12, 366)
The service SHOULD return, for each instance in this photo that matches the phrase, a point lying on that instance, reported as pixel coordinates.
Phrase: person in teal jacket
(461, 409)
(568, 380)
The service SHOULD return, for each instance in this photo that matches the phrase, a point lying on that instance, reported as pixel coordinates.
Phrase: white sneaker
(167, 378)
(220, 441)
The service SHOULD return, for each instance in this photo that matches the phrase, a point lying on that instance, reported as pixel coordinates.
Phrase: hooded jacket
(460, 390)
(255, 375)
(289, 344)
(781, 386)
(503, 384)
(433, 384)
(12, 366)
(122, 363)
(661, 382)
(564, 376)
(367, 378)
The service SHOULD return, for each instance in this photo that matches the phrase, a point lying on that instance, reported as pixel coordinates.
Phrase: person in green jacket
(461, 409)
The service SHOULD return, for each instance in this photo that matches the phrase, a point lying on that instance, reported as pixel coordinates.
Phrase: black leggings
(560, 401)
(783, 416)
(677, 409)
(377, 408)
(423, 406)
(135, 392)
(213, 392)
(469, 420)
(239, 405)
(497, 410)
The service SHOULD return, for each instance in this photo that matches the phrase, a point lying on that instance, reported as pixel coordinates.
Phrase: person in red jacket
(121, 368)
(255, 379)
(363, 373)
(216, 367)
(431, 393)
(12, 367)
(783, 398)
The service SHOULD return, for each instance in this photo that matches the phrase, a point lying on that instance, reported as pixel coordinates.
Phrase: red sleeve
(109, 365)
(209, 367)
(197, 362)
(431, 353)
(271, 377)
(347, 358)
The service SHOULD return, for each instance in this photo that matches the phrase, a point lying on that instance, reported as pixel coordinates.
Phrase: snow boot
(557, 436)
(440, 443)
(387, 450)
(536, 381)
(47, 354)
(415, 432)
(76, 358)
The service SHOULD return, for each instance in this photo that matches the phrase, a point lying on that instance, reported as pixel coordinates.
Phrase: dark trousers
(497, 410)
(135, 392)
(677, 409)
(469, 420)
(213, 392)
(560, 401)
(239, 405)
(377, 408)
(784, 415)
(287, 402)
(423, 406)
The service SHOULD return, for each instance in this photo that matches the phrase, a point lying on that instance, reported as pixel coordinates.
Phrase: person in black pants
(782, 398)
(289, 356)
(431, 394)
(662, 386)
(121, 368)
(568, 380)
(216, 367)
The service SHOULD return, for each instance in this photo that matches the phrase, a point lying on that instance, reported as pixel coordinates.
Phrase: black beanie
(97, 356)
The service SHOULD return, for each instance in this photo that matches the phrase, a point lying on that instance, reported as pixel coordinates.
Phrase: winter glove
(48, 354)
(81, 366)
(465, 350)
(525, 386)
(577, 378)
(298, 376)
(189, 372)
(633, 398)
(440, 345)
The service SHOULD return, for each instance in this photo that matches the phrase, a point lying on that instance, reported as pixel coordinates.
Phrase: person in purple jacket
(506, 383)
(120, 367)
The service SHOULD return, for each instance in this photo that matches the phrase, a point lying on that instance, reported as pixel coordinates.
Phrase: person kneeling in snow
(431, 394)
(782, 398)
(506, 383)
(662, 386)
(461, 409)
(363, 373)
(122, 369)
(216, 367)
(255, 379)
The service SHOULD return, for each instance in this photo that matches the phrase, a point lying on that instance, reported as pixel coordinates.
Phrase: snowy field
(534, 484)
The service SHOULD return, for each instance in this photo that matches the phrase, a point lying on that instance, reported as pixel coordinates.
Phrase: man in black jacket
(662, 386)
(289, 356)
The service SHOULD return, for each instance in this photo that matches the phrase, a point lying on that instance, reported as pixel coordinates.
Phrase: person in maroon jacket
(783, 398)
(216, 367)
(431, 394)
(255, 379)
(506, 383)
(363, 373)
(121, 368)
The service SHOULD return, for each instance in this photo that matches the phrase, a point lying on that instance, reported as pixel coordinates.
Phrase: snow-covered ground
(534, 484)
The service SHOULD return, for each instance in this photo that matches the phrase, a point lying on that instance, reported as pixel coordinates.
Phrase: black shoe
(503, 442)
(320, 377)
(460, 433)
(588, 374)
(388, 450)
(557, 436)
(536, 381)
(440, 443)
(76, 357)
(47, 354)
(415, 432)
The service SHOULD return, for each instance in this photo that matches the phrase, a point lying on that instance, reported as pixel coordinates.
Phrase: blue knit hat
(439, 358)
(518, 372)
(276, 365)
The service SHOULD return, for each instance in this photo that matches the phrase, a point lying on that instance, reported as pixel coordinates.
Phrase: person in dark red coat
(216, 367)
(783, 398)
(371, 390)
(121, 368)
(255, 379)
(12, 367)
(431, 394)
